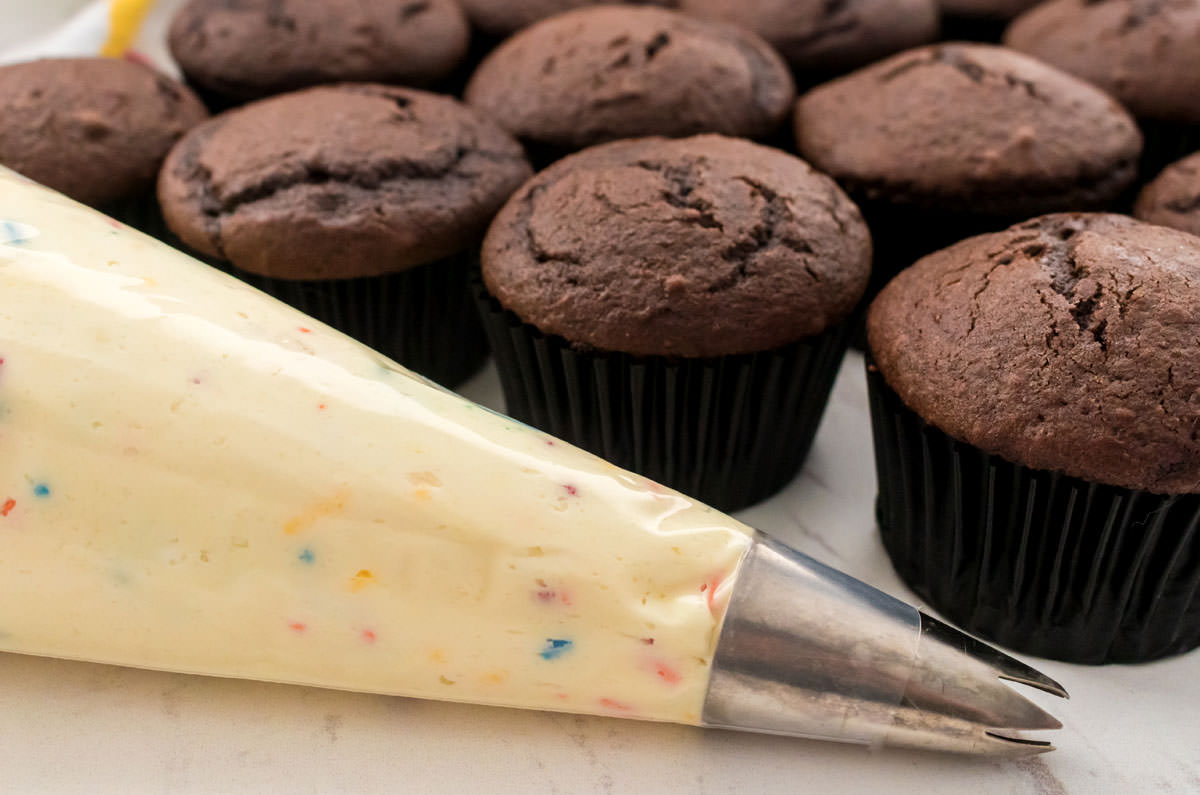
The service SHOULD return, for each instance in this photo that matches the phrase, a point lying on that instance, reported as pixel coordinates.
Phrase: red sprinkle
(648, 641)
(571, 490)
(611, 704)
(368, 636)
(711, 586)
(550, 442)
(297, 626)
(551, 595)
(10, 503)
(667, 673)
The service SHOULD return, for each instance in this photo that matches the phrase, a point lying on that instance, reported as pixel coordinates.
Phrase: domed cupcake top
(339, 181)
(598, 74)
(1146, 53)
(1173, 198)
(951, 123)
(695, 247)
(253, 48)
(95, 129)
(1065, 343)
(826, 37)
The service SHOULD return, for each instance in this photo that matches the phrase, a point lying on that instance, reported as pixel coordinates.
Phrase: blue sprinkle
(12, 232)
(555, 648)
(307, 555)
(41, 490)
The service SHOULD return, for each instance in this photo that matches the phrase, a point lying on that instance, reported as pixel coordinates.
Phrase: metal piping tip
(808, 651)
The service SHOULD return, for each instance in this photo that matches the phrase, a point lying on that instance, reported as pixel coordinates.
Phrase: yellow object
(125, 20)
(198, 478)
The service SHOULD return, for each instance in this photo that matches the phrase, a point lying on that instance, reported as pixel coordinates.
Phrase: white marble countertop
(79, 727)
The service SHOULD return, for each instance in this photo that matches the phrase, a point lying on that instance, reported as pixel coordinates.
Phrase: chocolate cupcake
(1035, 400)
(1173, 198)
(501, 18)
(943, 142)
(96, 129)
(360, 204)
(822, 39)
(609, 72)
(980, 20)
(239, 51)
(1146, 53)
(676, 307)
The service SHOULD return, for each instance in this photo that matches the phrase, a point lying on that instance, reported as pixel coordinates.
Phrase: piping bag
(198, 478)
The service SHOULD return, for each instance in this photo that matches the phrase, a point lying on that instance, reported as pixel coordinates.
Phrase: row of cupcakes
(679, 305)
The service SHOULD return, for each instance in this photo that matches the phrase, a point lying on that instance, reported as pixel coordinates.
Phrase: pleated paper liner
(966, 28)
(143, 214)
(1166, 142)
(424, 317)
(901, 234)
(729, 431)
(1037, 561)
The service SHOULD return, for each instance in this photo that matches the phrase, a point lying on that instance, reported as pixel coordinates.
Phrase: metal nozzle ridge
(808, 651)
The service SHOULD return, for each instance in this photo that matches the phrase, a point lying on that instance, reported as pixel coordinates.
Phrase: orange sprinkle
(321, 406)
(309, 516)
(496, 677)
(368, 636)
(298, 626)
(304, 330)
(361, 580)
(611, 704)
(8, 505)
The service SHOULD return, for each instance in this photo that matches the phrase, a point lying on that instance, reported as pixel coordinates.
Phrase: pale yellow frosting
(195, 477)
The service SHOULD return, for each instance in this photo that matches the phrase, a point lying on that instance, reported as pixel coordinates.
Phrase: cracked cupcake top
(339, 181)
(696, 247)
(1173, 198)
(827, 36)
(598, 74)
(1066, 343)
(954, 123)
(1146, 53)
(96, 129)
(245, 49)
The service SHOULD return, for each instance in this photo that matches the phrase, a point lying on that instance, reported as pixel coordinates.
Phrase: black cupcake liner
(1037, 561)
(729, 431)
(1166, 142)
(902, 234)
(423, 317)
(143, 214)
(967, 28)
